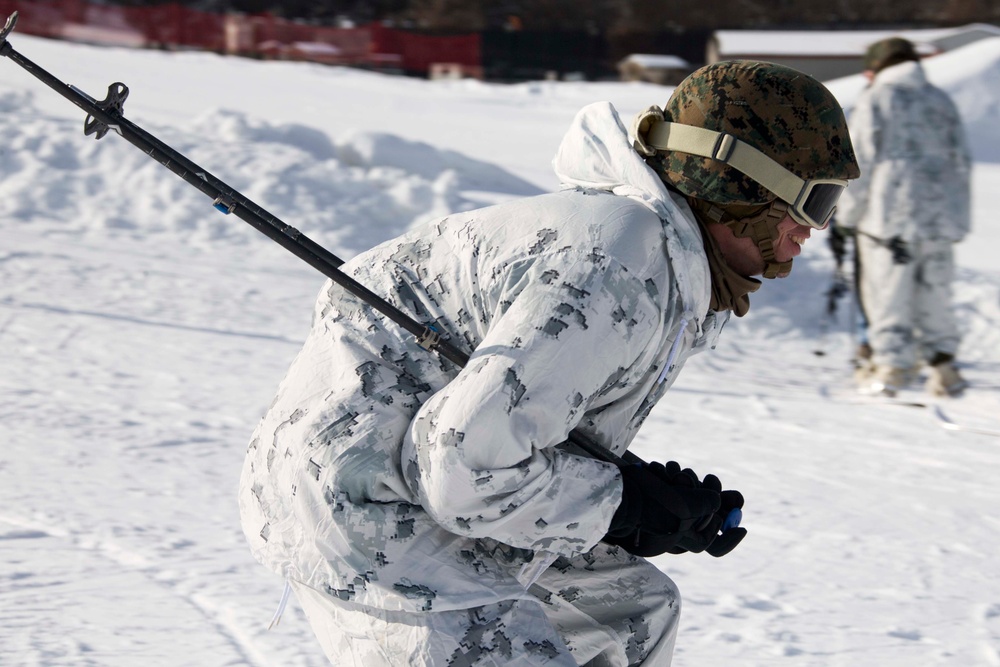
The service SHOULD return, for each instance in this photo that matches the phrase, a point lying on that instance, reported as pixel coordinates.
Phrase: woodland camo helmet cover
(789, 116)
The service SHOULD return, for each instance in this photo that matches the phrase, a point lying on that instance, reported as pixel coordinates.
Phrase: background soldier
(909, 208)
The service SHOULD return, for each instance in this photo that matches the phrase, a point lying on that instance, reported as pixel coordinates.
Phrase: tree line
(610, 17)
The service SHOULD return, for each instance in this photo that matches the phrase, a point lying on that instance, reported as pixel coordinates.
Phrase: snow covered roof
(847, 43)
(318, 48)
(651, 60)
(107, 35)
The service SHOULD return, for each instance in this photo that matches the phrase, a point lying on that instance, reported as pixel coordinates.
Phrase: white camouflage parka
(385, 476)
(914, 159)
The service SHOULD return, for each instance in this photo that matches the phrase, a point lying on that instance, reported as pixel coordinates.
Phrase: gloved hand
(708, 538)
(640, 126)
(668, 510)
(731, 536)
(900, 251)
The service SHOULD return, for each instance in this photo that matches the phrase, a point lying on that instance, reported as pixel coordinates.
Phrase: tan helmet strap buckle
(762, 229)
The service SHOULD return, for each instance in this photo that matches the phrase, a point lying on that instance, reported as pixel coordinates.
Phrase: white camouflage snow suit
(914, 187)
(427, 515)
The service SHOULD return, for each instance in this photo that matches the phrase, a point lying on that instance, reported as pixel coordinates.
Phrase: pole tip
(8, 27)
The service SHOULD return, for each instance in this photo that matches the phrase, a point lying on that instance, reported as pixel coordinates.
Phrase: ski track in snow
(132, 571)
(829, 507)
(142, 335)
(131, 408)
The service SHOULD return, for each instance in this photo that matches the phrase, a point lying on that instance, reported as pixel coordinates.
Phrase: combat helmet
(888, 52)
(747, 141)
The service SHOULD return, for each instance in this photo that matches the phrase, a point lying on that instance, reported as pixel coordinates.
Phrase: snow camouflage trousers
(604, 608)
(908, 306)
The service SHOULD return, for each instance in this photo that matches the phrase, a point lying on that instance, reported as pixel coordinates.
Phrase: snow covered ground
(142, 334)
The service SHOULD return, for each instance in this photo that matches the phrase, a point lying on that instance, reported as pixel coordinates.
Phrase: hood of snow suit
(596, 154)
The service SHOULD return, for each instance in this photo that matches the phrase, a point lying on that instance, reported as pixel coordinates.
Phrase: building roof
(653, 60)
(846, 43)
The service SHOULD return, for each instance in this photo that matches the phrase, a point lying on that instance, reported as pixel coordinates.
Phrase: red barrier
(44, 19)
(417, 52)
(176, 26)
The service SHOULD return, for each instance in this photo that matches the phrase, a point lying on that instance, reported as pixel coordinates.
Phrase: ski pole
(108, 115)
(838, 288)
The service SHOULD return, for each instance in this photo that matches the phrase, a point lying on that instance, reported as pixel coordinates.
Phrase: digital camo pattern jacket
(384, 476)
(914, 158)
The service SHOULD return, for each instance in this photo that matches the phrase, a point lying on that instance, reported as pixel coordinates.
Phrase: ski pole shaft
(107, 115)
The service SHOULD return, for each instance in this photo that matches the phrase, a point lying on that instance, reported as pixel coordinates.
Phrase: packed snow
(142, 335)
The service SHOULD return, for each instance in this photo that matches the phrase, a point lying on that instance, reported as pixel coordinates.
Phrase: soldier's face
(790, 237)
(788, 240)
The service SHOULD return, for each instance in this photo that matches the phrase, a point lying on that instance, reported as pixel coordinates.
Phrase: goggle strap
(726, 148)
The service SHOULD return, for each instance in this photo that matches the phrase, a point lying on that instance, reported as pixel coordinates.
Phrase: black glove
(668, 510)
(708, 539)
(900, 252)
(730, 510)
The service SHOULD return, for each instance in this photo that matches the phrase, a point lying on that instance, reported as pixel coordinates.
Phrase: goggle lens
(820, 203)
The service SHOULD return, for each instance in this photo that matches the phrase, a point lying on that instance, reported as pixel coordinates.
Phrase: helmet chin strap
(762, 227)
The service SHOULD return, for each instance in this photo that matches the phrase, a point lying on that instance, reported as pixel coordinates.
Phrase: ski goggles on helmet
(810, 202)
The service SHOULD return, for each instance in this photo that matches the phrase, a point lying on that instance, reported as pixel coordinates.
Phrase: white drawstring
(281, 605)
(673, 350)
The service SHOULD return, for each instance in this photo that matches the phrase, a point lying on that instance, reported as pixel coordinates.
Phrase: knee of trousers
(662, 599)
(656, 634)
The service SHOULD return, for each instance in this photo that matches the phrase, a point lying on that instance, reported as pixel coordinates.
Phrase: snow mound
(971, 75)
(347, 195)
(377, 149)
